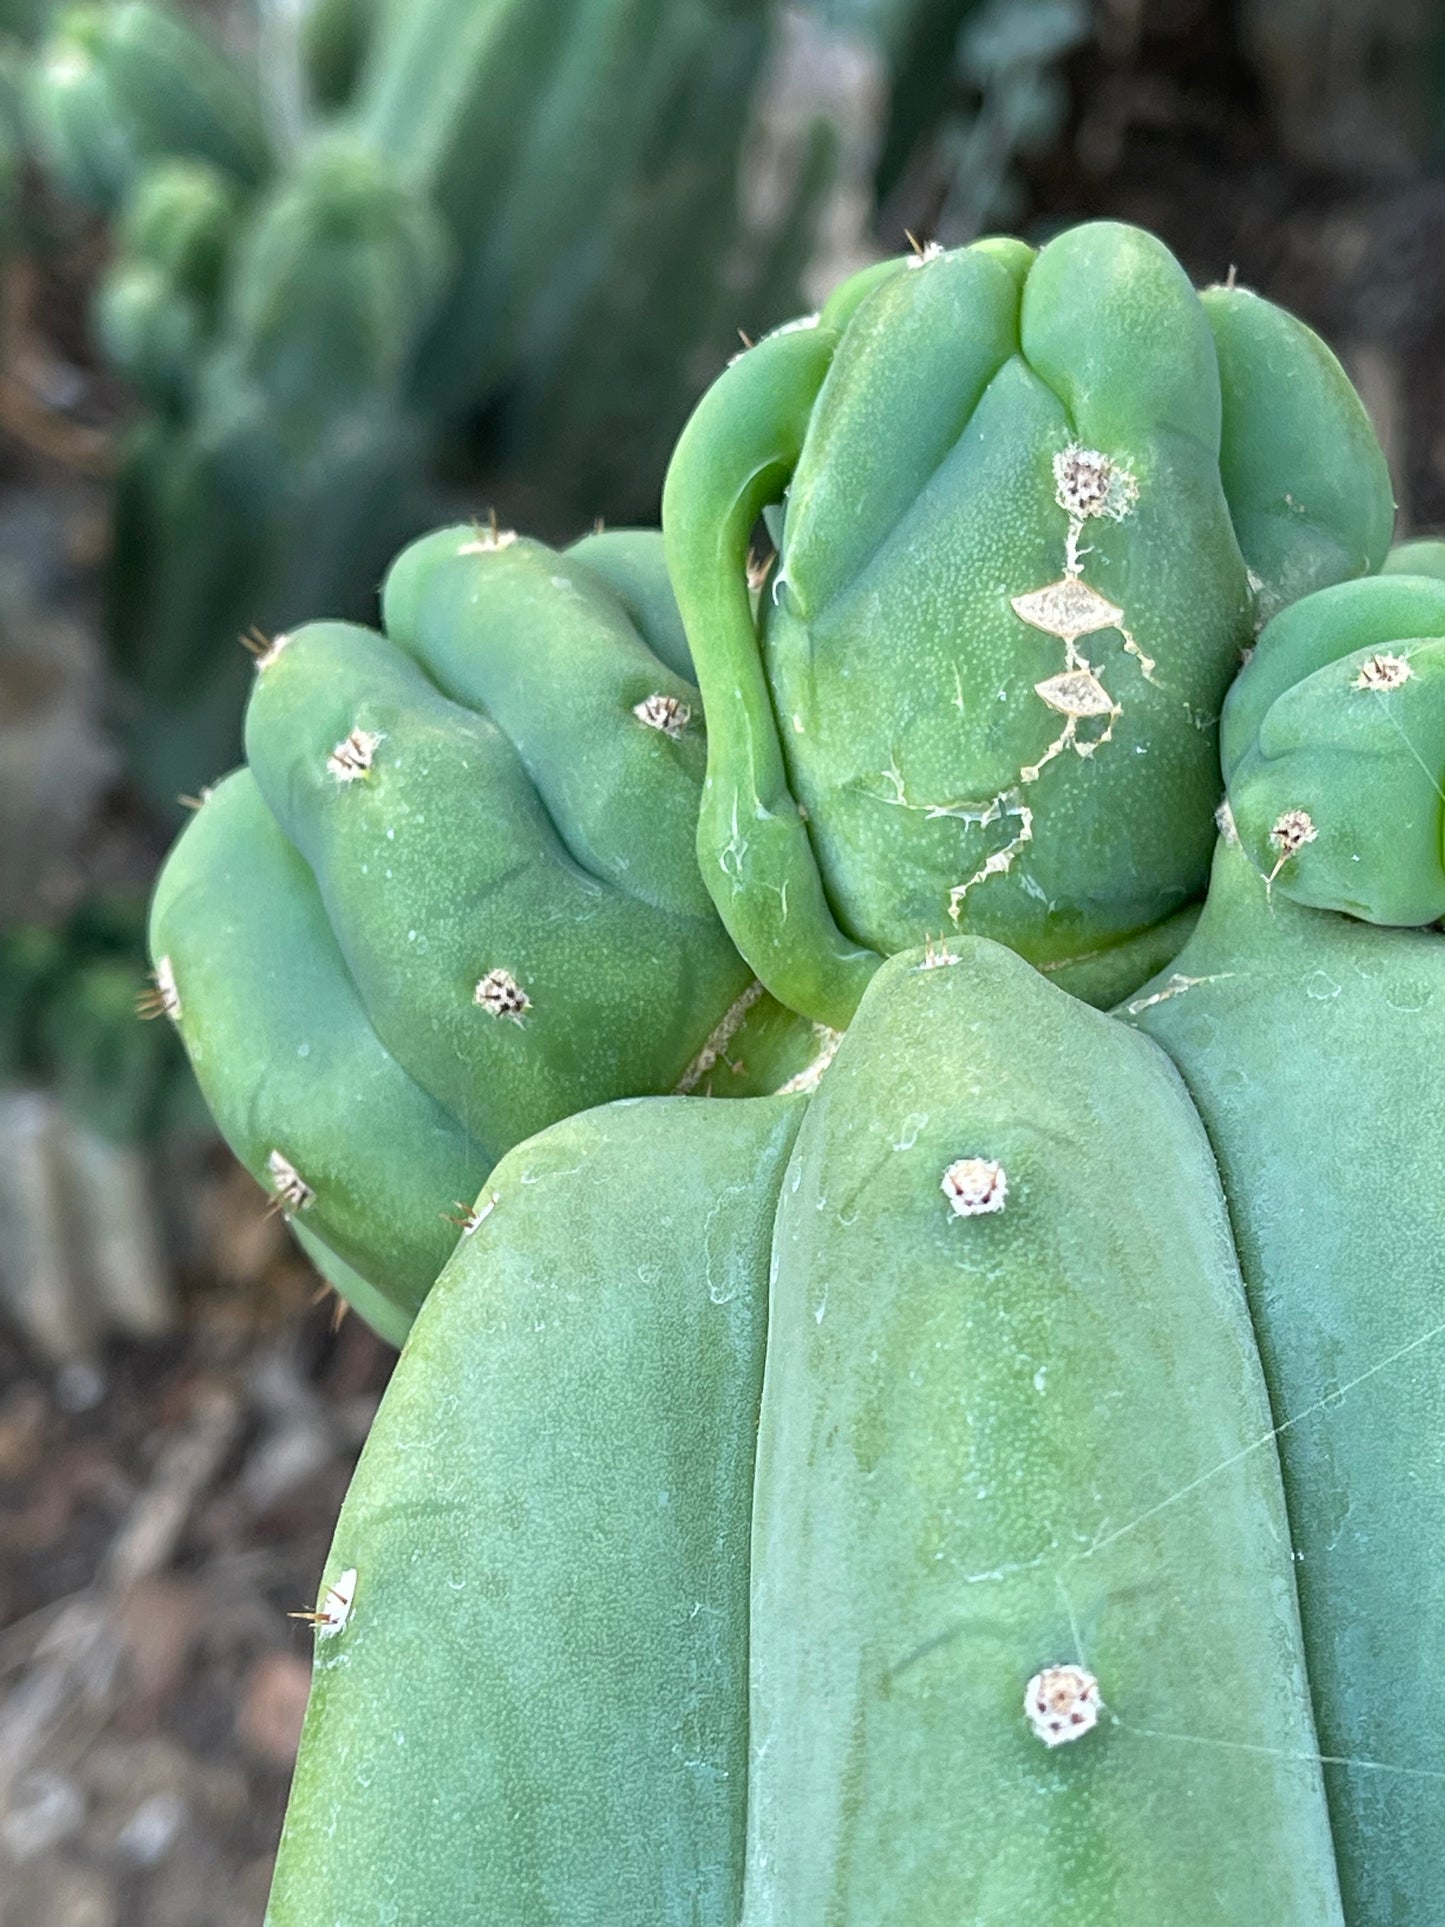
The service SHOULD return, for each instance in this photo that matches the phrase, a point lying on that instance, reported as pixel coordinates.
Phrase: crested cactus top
(454, 896)
(1036, 506)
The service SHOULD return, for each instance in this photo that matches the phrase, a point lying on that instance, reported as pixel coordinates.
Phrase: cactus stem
(1289, 836)
(1062, 1703)
(975, 1187)
(334, 1607)
(293, 1193)
(718, 1039)
(164, 1000)
(1384, 672)
(666, 713)
(500, 994)
(353, 758)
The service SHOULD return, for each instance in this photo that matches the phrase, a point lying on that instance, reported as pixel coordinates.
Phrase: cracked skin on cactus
(1033, 508)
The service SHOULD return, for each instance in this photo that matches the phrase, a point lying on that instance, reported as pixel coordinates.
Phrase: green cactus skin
(991, 1444)
(985, 461)
(1311, 1044)
(1424, 556)
(287, 1058)
(519, 818)
(116, 87)
(379, 1312)
(537, 1707)
(480, 859)
(1333, 742)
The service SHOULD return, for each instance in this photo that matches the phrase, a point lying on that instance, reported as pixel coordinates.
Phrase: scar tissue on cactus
(454, 896)
(997, 1653)
(1030, 510)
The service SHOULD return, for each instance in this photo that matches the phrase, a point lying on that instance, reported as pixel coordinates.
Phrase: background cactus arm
(549, 1537)
(320, 1113)
(1425, 556)
(1307, 482)
(734, 458)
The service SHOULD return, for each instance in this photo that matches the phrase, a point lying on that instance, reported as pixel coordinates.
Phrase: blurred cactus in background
(85, 1092)
(442, 248)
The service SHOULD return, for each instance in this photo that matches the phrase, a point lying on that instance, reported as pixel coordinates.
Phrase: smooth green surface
(1312, 1045)
(1337, 725)
(995, 1444)
(287, 1057)
(897, 749)
(1424, 556)
(536, 1711)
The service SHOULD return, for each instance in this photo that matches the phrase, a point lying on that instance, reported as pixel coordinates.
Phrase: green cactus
(454, 898)
(1333, 744)
(116, 87)
(1311, 1044)
(494, 246)
(1035, 507)
(88, 1096)
(1424, 556)
(298, 469)
(1008, 1492)
(156, 308)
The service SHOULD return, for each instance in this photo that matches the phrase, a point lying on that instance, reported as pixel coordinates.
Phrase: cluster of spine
(992, 1473)
(421, 216)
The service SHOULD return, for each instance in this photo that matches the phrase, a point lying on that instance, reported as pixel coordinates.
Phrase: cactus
(454, 899)
(1333, 744)
(117, 87)
(1005, 1341)
(1311, 1044)
(157, 307)
(985, 1554)
(1020, 556)
(296, 470)
(496, 242)
(86, 1096)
